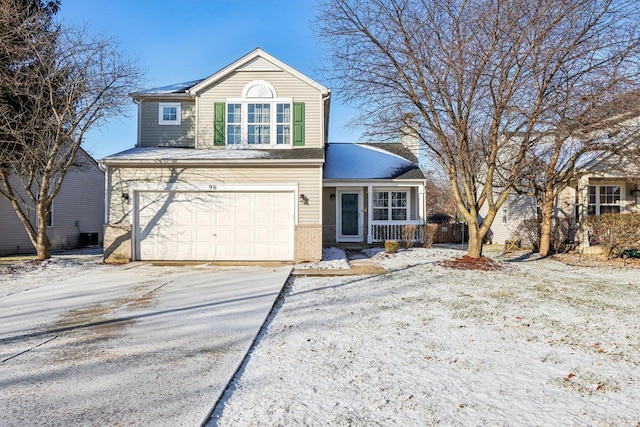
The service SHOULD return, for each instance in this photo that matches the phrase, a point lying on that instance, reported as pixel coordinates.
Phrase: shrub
(615, 232)
(391, 246)
(408, 235)
(530, 229)
(430, 231)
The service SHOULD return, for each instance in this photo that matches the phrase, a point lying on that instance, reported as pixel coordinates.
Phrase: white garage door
(220, 226)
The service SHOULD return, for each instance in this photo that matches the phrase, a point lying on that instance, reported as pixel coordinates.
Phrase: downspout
(139, 133)
(107, 185)
(325, 132)
(197, 113)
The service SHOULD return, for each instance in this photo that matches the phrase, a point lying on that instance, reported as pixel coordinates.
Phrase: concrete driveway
(129, 345)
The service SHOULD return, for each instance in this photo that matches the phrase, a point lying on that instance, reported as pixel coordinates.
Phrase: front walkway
(359, 262)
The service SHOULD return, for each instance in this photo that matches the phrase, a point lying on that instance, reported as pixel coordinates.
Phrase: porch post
(369, 213)
(421, 203)
(583, 191)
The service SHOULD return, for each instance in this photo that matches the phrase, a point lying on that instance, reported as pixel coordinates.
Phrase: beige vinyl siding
(329, 206)
(13, 237)
(285, 85)
(306, 177)
(154, 135)
(78, 208)
(506, 224)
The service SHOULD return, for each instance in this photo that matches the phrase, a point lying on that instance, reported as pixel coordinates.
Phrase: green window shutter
(298, 123)
(218, 132)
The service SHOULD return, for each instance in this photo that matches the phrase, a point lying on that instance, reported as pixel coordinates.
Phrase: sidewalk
(360, 263)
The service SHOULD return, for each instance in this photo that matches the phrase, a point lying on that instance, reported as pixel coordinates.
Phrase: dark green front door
(350, 215)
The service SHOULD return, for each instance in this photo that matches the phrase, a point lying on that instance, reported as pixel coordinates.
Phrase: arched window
(259, 118)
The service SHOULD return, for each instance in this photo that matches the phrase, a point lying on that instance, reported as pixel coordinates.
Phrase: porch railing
(400, 231)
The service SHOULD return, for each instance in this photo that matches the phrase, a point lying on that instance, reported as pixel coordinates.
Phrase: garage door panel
(215, 226)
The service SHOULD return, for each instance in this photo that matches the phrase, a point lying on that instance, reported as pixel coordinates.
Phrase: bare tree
(57, 83)
(478, 81)
(574, 141)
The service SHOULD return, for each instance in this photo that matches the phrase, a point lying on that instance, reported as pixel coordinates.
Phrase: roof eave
(147, 96)
(207, 162)
(338, 182)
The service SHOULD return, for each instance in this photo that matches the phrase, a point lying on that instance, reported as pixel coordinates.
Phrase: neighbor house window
(50, 216)
(604, 199)
(169, 113)
(390, 205)
(259, 118)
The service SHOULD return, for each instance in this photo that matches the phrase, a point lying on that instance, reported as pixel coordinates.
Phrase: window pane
(259, 134)
(609, 210)
(284, 134)
(380, 214)
(380, 199)
(398, 199)
(284, 113)
(610, 194)
(259, 113)
(234, 113)
(169, 114)
(234, 134)
(398, 214)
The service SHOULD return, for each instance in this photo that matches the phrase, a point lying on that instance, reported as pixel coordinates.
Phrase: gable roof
(369, 161)
(256, 60)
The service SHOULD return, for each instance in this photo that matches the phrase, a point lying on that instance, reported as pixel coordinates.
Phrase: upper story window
(604, 199)
(169, 113)
(259, 118)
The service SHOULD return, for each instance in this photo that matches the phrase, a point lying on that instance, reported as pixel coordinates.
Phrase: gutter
(207, 162)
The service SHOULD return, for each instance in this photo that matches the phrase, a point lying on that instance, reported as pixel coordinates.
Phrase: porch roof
(367, 161)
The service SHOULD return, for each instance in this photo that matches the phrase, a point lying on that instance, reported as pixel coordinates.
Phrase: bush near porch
(617, 233)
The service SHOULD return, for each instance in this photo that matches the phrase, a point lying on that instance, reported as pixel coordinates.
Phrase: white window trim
(273, 124)
(598, 205)
(390, 208)
(259, 92)
(162, 121)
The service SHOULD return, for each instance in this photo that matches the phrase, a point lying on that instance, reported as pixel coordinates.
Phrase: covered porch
(369, 212)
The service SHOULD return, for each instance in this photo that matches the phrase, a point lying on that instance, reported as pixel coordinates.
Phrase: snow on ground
(332, 259)
(27, 273)
(536, 343)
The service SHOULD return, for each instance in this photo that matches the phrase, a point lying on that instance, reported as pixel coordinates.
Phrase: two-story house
(232, 168)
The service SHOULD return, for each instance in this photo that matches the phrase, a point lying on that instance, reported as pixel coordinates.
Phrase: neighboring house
(77, 213)
(230, 168)
(604, 183)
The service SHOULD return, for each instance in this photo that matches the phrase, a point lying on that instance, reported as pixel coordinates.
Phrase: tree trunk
(476, 236)
(42, 239)
(546, 225)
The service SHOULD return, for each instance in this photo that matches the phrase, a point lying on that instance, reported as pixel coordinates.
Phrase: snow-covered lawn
(536, 343)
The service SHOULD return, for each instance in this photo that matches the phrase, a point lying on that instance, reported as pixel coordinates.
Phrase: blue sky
(179, 41)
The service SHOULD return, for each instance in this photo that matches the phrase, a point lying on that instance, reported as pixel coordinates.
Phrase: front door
(349, 214)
